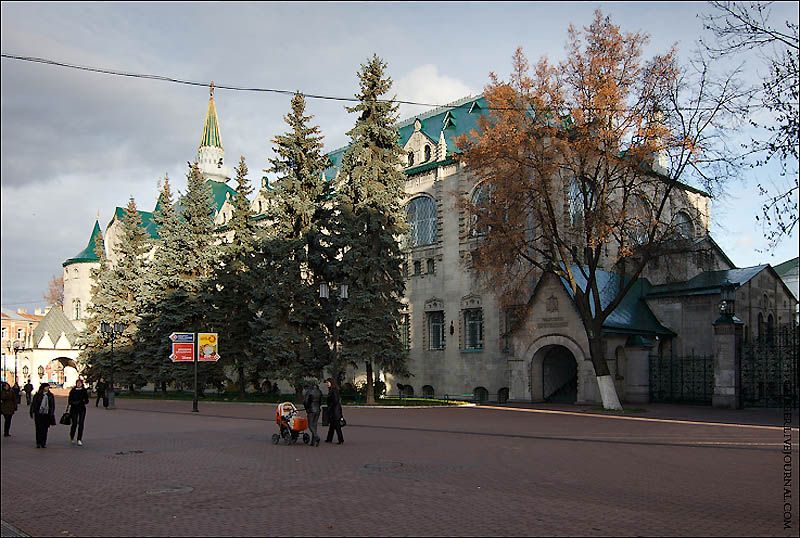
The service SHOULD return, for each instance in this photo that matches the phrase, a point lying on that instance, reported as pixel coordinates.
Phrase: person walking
(312, 402)
(17, 392)
(101, 387)
(28, 390)
(334, 412)
(43, 413)
(8, 407)
(78, 399)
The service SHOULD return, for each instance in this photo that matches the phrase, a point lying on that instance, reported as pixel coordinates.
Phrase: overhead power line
(175, 80)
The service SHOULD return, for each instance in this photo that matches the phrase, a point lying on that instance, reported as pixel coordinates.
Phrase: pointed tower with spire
(210, 155)
(78, 278)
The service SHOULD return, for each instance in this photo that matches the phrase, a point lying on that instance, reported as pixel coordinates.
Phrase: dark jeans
(313, 418)
(78, 416)
(104, 397)
(28, 398)
(7, 425)
(335, 425)
(42, 425)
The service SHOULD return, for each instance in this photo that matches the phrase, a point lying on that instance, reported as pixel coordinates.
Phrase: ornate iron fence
(769, 369)
(688, 379)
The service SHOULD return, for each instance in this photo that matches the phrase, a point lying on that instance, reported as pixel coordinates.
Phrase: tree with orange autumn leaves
(582, 162)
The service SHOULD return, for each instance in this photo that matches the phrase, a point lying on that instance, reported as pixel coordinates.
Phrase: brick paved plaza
(156, 469)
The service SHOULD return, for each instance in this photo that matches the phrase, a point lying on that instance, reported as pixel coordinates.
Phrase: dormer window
(410, 158)
(427, 153)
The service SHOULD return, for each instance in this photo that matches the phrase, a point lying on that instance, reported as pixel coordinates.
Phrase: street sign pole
(194, 402)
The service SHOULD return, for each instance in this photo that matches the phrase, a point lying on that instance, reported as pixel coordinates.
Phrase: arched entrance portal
(559, 375)
(62, 372)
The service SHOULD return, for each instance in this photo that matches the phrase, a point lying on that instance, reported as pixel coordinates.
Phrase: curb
(7, 529)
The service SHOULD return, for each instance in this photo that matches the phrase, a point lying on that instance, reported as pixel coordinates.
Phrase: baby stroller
(291, 424)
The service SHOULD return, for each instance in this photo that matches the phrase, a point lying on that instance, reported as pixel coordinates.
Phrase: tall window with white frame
(436, 330)
(77, 309)
(421, 218)
(405, 333)
(473, 329)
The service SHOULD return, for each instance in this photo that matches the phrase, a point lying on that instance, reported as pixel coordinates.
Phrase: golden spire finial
(211, 89)
(98, 214)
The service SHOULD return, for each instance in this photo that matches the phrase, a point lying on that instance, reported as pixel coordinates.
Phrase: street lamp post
(18, 346)
(110, 332)
(324, 293)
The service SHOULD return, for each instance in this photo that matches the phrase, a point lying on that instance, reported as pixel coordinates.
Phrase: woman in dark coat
(43, 412)
(78, 399)
(334, 411)
(9, 406)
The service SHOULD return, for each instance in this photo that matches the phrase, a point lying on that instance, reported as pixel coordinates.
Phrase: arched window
(427, 391)
(77, 309)
(638, 220)
(427, 153)
(502, 395)
(683, 225)
(480, 200)
(760, 329)
(421, 217)
(481, 395)
(576, 203)
(410, 158)
(407, 391)
(770, 329)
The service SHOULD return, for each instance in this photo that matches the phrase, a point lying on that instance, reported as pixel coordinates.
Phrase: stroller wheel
(275, 438)
(306, 438)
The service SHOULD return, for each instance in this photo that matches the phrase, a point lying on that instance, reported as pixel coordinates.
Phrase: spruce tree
(371, 220)
(181, 269)
(289, 322)
(231, 282)
(117, 298)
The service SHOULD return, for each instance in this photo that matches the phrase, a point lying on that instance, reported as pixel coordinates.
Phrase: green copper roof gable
(88, 254)
(148, 223)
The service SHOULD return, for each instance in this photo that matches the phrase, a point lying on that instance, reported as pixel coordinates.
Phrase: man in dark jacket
(101, 387)
(28, 390)
(312, 401)
(43, 412)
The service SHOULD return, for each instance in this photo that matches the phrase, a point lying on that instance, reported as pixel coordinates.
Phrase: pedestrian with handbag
(312, 403)
(8, 405)
(334, 411)
(78, 399)
(43, 413)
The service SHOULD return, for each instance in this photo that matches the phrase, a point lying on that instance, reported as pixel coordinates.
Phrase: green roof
(707, 283)
(632, 315)
(219, 193)
(454, 120)
(87, 255)
(148, 223)
(787, 268)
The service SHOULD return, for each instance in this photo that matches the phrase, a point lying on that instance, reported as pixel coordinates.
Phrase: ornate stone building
(460, 342)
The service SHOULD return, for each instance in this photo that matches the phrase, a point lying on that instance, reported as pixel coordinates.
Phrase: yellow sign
(207, 347)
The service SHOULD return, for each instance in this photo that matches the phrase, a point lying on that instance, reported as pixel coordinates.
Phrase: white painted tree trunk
(608, 393)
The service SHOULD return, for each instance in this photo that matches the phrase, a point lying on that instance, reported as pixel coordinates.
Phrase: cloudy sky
(75, 143)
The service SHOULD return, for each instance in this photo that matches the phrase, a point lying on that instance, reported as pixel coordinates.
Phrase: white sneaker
(72, 441)
(80, 443)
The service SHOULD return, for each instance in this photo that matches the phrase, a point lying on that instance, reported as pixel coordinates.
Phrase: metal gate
(688, 379)
(769, 369)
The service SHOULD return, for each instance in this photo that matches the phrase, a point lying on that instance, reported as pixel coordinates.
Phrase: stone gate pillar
(518, 381)
(728, 330)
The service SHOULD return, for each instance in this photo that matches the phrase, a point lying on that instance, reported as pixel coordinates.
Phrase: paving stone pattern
(155, 469)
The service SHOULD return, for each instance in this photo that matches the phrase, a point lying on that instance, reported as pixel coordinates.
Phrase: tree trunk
(370, 385)
(608, 391)
(242, 382)
(164, 387)
(298, 394)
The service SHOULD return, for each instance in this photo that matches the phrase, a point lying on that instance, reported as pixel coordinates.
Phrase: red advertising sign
(182, 352)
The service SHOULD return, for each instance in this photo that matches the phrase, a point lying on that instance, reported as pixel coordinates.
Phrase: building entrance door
(559, 376)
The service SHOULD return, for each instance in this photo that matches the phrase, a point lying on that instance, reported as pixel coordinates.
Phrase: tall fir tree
(289, 321)
(118, 298)
(231, 281)
(182, 265)
(371, 221)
